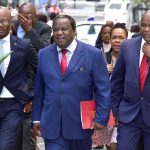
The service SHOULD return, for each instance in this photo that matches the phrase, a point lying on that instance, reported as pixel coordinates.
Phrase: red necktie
(143, 71)
(63, 64)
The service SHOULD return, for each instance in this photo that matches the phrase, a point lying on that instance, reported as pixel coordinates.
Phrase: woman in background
(118, 34)
(107, 136)
(102, 137)
(105, 44)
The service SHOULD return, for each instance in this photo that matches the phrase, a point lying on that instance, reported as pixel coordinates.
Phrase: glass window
(115, 6)
(82, 29)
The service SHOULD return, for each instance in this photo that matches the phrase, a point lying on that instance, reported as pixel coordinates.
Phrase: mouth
(60, 39)
(117, 46)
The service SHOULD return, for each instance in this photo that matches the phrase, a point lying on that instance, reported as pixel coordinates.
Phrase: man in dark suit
(16, 80)
(130, 90)
(28, 26)
(59, 91)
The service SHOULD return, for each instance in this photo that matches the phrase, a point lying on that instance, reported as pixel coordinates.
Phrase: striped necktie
(63, 63)
(143, 71)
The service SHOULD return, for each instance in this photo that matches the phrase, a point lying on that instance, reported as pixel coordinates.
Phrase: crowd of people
(48, 72)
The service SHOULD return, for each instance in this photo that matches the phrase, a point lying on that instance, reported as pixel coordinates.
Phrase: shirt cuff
(36, 121)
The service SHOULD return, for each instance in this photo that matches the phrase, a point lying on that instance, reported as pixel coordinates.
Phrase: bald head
(28, 9)
(4, 11)
(146, 14)
(145, 26)
(5, 21)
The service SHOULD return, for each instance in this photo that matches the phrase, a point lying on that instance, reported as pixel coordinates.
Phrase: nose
(59, 32)
(118, 39)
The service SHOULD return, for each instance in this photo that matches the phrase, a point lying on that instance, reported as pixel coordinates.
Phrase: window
(115, 6)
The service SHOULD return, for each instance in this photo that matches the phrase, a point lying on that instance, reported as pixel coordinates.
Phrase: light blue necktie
(1, 54)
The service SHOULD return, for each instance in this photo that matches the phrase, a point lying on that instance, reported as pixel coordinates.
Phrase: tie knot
(64, 51)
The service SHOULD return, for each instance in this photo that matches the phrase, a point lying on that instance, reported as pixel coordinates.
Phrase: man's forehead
(5, 13)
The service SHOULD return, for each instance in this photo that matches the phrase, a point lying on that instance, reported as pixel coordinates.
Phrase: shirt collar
(143, 41)
(6, 38)
(71, 47)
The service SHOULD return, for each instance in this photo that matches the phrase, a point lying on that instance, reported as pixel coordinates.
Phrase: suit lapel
(137, 49)
(74, 60)
(54, 60)
(13, 47)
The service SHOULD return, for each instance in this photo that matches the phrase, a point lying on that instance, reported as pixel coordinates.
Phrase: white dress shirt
(141, 52)
(6, 46)
(70, 50)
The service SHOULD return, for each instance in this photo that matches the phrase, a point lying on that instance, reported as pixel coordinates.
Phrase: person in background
(135, 30)
(69, 72)
(130, 90)
(117, 34)
(54, 10)
(101, 137)
(105, 35)
(42, 17)
(99, 38)
(28, 26)
(16, 80)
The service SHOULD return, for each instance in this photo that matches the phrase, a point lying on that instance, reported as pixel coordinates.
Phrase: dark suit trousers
(26, 140)
(129, 134)
(64, 144)
(11, 114)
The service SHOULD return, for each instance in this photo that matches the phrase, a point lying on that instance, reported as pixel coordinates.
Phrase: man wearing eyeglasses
(16, 80)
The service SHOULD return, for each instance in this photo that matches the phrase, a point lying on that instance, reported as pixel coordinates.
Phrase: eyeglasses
(4, 22)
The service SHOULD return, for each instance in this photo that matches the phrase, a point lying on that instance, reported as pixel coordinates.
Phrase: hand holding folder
(88, 109)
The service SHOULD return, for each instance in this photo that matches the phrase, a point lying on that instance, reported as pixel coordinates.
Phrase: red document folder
(88, 109)
(111, 121)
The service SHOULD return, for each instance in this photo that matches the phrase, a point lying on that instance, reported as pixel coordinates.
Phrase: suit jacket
(57, 98)
(20, 73)
(39, 35)
(127, 99)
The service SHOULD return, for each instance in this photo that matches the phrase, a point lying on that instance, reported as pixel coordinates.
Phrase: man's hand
(110, 68)
(27, 107)
(98, 126)
(37, 129)
(146, 49)
(116, 121)
(25, 22)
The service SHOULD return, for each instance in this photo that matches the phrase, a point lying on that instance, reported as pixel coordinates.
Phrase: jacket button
(141, 98)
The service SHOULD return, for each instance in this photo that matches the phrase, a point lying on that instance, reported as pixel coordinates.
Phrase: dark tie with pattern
(143, 71)
(63, 63)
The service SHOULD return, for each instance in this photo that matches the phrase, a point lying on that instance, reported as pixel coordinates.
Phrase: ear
(75, 34)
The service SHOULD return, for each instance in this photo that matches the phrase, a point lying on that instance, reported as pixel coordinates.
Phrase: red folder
(111, 121)
(88, 109)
